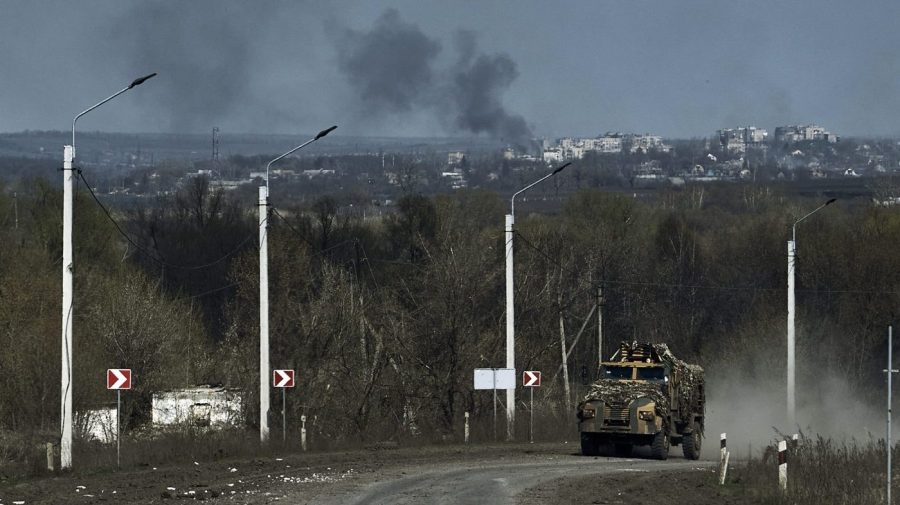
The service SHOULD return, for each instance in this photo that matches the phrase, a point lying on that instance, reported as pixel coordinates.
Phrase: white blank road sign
(495, 378)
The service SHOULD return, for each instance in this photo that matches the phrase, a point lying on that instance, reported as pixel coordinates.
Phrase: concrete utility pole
(510, 301)
(890, 390)
(68, 265)
(263, 313)
(791, 365)
(599, 328)
(264, 377)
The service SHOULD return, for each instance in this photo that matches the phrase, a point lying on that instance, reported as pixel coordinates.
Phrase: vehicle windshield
(617, 372)
(651, 373)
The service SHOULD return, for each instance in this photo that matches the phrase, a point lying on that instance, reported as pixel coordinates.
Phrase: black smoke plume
(391, 68)
(479, 80)
(201, 52)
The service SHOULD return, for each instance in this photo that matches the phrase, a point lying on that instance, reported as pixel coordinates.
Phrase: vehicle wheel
(590, 445)
(622, 450)
(660, 447)
(690, 445)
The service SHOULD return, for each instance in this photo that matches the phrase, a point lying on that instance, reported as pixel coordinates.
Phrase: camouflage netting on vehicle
(618, 392)
(688, 391)
(688, 385)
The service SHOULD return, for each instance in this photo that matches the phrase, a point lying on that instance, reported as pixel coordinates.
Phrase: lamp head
(140, 80)
(325, 132)
(829, 202)
(560, 169)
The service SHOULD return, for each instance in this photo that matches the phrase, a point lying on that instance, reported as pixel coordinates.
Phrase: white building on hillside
(646, 143)
(740, 139)
(552, 155)
(792, 133)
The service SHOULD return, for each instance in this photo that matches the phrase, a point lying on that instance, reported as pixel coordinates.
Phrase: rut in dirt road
(495, 482)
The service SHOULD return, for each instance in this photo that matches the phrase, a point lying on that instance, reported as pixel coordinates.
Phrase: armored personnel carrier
(645, 396)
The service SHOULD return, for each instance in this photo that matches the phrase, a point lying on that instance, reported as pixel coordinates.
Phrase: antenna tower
(215, 144)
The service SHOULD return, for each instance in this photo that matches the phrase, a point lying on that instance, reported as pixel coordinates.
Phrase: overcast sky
(414, 68)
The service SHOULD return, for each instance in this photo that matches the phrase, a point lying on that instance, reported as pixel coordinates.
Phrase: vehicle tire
(659, 449)
(590, 444)
(622, 450)
(690, 444)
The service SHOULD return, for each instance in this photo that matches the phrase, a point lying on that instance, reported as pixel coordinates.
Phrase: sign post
(495, 378)
(531, 380)
(283, 379)
(118, 379)
(118, 431)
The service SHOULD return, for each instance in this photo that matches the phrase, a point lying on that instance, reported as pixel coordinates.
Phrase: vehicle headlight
(646, 415)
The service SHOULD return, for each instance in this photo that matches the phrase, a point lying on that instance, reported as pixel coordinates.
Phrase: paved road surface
(492, 481)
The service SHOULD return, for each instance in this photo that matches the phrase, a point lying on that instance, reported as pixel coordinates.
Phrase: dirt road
(497, 481)
(496, 474)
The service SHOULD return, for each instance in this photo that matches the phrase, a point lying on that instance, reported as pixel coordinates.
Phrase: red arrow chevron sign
(283, 378)
(531, 379)
(118, 378)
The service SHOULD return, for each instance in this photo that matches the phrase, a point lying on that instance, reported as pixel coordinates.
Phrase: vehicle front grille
(614, 415)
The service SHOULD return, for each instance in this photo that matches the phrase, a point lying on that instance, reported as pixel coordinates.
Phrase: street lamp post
(791, 369)
(264, 292)
(510, 301)
(65, 445)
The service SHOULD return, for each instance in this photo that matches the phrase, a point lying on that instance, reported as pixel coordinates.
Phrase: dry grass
(821, 471)
(24, 455)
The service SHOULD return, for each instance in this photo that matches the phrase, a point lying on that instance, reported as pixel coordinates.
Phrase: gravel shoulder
(696, 486)
(502, 473)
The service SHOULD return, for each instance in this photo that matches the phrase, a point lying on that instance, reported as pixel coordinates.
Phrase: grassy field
(820, 471)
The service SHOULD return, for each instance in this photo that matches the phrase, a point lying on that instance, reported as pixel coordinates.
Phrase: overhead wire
(608, 282)
(150, 254)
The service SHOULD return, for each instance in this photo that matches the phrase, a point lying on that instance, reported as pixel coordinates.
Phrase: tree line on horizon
(385, 318)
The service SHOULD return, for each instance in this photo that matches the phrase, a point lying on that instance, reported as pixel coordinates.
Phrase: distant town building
(792, 133)
(455, 158)
(552, 155)
(456, 179)
(646, 143)
(738, 140)
(609, 143)
(314, 173)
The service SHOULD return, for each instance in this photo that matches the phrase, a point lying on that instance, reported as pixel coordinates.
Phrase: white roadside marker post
(50, 459)
(303, 432)
(466, 432)
(782, 465)
(723, 458)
